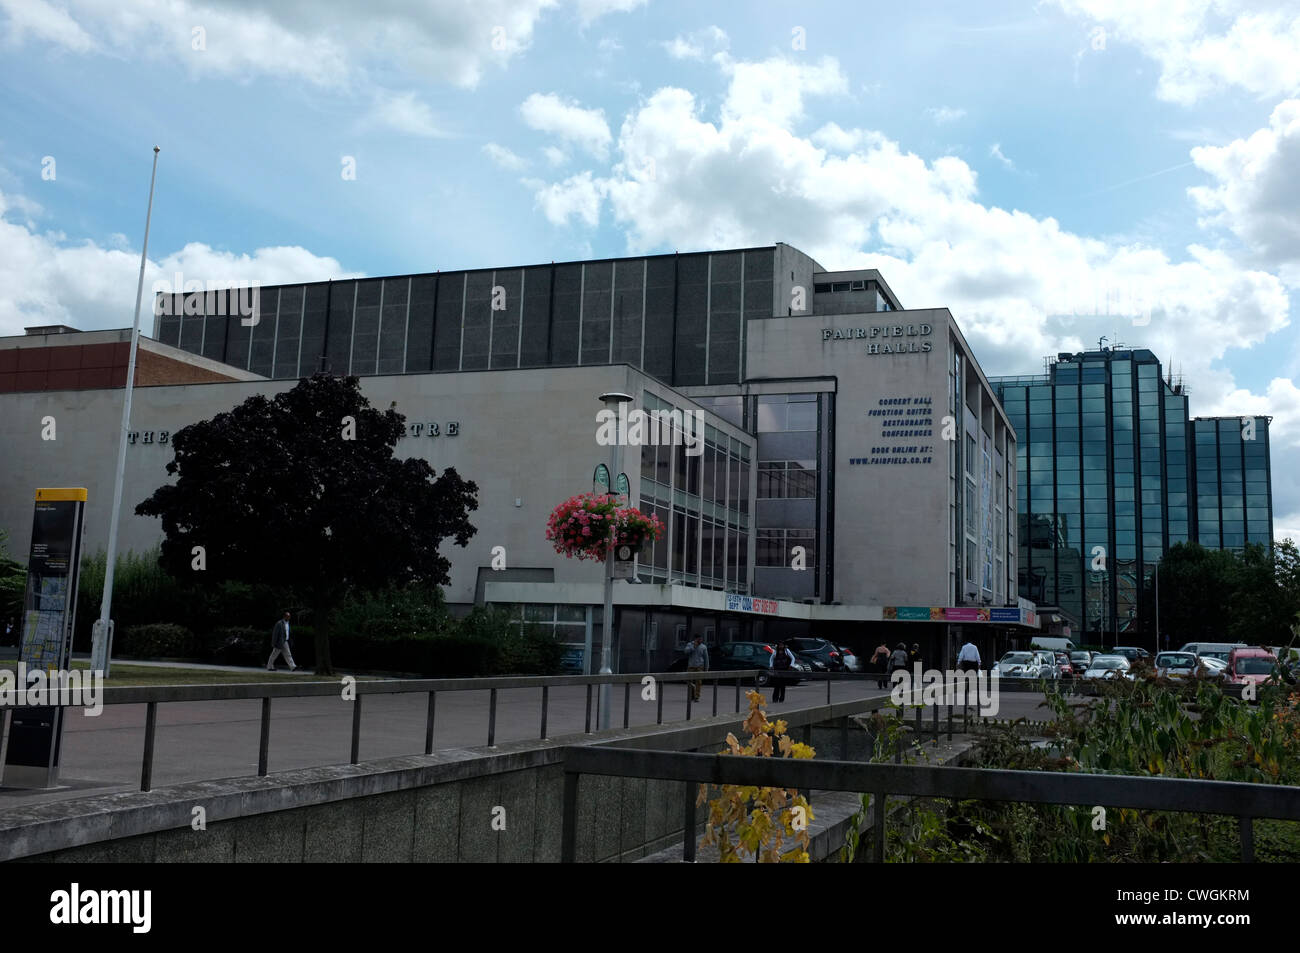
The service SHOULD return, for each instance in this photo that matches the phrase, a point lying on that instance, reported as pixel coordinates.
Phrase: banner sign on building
(49, 610)
(1004, 616)
(751, 604)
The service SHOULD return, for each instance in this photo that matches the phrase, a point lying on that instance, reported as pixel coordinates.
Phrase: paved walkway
(218, 739)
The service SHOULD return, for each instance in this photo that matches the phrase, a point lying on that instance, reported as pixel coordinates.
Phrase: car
(1213, 667)
(1250, 665)
(819, 649)
(1177, 665)
(1219, 650)
(1064, 667)
(1108, 667)
(851, 661)
(1131, 652)
(732, 655)
(1048, 667)
(1018, 665)
(1080, 659)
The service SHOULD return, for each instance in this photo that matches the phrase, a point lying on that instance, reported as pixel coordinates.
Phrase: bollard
(264, 745)
(546, 698)
(627, 701)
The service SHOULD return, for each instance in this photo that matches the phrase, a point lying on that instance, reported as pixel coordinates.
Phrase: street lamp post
(611, 400)
(102, 630)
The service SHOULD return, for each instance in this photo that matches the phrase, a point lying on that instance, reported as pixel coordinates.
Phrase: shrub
(156, 640)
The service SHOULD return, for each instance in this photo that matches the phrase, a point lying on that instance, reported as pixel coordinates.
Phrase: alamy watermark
(217, 298)
(638, 428)
(59, 687)
(939, 687)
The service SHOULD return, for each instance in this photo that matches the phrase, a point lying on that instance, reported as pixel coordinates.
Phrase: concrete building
(1112, 472)
(854, 479)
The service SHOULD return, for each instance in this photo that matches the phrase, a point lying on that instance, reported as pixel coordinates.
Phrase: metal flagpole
(102, 638)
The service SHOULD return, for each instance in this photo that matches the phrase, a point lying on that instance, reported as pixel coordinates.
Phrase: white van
(1054, 645)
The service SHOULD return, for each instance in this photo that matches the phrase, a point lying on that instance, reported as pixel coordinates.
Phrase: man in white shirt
(280, 645)
(968, 660)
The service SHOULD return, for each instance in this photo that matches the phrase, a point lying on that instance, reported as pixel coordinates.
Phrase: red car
(1251, 664)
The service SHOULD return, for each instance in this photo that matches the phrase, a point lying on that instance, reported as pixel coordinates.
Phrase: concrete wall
(526, 435)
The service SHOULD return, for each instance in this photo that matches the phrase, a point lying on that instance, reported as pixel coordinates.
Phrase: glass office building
(1112, 472)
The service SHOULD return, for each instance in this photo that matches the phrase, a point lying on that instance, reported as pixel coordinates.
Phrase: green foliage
(13, 585)
(1142, 728)
(1211, 595)
(394, 612)
(155, 640)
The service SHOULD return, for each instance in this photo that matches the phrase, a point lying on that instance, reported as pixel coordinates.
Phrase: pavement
(219, 739)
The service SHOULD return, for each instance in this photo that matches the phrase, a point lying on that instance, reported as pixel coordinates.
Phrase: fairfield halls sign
(886, 338)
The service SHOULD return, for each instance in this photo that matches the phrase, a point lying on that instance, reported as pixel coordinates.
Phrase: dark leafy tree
(1196, 590)
(303, 490)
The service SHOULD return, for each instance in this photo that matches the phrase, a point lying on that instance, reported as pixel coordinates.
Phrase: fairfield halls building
(848, 472)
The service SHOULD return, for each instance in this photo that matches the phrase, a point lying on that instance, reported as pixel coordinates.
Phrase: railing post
(828, 688)
(356, 729)
(150, 726)
(659, 703)
(627, 701)
(878, 802)
(715, 696)
(690, 693)
(264, 746)
(588, 728)
(950, 722)
(428, 722)
(569, 826)
(844, 738)
(492, 719)
(688, 822)
(737, 693)
(546, 704)
(918, 723)
(935, 709)
(1246, 825)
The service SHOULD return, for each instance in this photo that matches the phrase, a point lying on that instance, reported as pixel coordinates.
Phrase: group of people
(886, 662)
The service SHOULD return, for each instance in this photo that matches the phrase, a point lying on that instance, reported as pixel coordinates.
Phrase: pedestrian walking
(881, 661)
(697, 660)
(782, 663)
(914, 657)
(968, 659)
(280, 645)
(898, 658)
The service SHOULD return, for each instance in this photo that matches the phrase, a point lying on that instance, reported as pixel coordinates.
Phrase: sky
(1051, 172)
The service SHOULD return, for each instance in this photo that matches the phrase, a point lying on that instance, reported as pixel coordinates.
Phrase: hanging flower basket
(584, 526)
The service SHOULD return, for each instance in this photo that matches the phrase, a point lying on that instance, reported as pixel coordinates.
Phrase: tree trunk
(323, 620)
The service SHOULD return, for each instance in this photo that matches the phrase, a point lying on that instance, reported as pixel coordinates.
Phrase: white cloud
(45, 22)
(589, 10)
(698, 45)
(328, 43)
(504, 158)
(995, 151)
(586, 128)
(576, 197)
(773, 91)
(944, 114)
(46, 280)
(1258, 50)
(555, 156)
(1257, 190)
(407, 114)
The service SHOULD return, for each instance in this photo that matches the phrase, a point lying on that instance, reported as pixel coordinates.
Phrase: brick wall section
(154, 370)
(93, 367)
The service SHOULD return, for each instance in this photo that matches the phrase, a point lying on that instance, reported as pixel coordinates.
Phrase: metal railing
(153, 696)
(1231, 798)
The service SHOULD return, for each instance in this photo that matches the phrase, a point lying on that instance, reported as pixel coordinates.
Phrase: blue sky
(1016, 162)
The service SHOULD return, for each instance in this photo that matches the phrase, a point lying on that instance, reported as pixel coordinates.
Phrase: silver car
(1107, 667)
(1019, 665)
